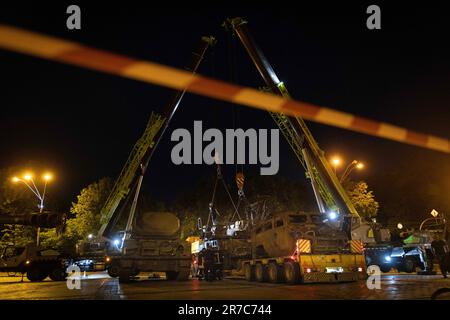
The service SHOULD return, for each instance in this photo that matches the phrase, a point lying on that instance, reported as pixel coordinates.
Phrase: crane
(132, 174)
(329, 194)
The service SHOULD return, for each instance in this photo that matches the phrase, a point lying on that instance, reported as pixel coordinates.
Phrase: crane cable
(212, 208)
(232, 60)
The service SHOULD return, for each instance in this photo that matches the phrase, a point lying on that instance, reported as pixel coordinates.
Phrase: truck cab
(13, 257)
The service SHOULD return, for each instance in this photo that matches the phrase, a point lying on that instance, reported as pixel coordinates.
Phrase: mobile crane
(329, 194)
(324, 251)
(147, 250)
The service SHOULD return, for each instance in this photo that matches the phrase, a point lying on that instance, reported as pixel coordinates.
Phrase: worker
(194, 266)
(209, 264)
(442, 253)
(201, 264)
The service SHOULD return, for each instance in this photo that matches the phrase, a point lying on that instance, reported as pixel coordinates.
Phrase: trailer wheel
(275, 272)
(291, 272)
(249, 272)
(261, 273)
(58, 274)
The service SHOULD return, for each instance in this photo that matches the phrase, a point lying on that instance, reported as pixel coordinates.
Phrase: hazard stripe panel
(35, 44)
(303, 246)
(356, 246)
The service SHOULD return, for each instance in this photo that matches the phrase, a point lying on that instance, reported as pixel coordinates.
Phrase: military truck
(298, 247)
(37, 263)
(154, 246)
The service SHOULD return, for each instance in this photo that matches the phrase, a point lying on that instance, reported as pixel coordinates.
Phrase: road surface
(100, 286)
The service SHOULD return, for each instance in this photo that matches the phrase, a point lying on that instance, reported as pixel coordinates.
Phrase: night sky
(82, 124)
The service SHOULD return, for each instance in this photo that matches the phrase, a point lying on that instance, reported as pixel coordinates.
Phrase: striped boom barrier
(46, 47)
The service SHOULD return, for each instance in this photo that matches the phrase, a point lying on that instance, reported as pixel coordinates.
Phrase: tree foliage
(85, 217)
(363, 199)
(15, 199)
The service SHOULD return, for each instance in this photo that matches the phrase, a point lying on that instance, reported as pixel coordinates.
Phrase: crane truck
(332, 200)
(298, 246)
(150, 241)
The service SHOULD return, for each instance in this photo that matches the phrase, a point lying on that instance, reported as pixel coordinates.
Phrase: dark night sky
(82, 124)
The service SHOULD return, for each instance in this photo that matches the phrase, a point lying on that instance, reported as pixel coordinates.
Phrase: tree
(363, 199)
(15, 200)
(86, 217)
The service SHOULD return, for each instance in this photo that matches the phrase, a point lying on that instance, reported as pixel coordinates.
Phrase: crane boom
(328, 191)
(136, 165)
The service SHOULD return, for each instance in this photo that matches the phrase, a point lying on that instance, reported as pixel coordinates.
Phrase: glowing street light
(28, 176)
(29, 182)
(336, 162)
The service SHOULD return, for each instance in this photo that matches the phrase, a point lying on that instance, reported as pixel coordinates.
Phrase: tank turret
(157, 224)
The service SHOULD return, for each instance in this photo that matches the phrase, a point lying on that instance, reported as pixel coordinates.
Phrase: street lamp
(335, 161)
(354, 164)
(29, 182)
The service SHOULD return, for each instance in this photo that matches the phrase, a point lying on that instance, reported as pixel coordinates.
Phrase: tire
(261, 273)
(291, 272)
(171, 275)
(385, 268)
(275, 272)
(34, 274)
(113, 271)
(249, 272)
(44, 275)
(58, 274)
(409, 266)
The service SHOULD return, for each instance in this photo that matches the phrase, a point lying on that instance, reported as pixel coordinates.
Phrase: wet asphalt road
(100, 286)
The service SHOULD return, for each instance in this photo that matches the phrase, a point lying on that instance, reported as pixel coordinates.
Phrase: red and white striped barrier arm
(42, 46)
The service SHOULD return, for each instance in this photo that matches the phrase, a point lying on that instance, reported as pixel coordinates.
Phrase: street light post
(354, 164)
(29, 177)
